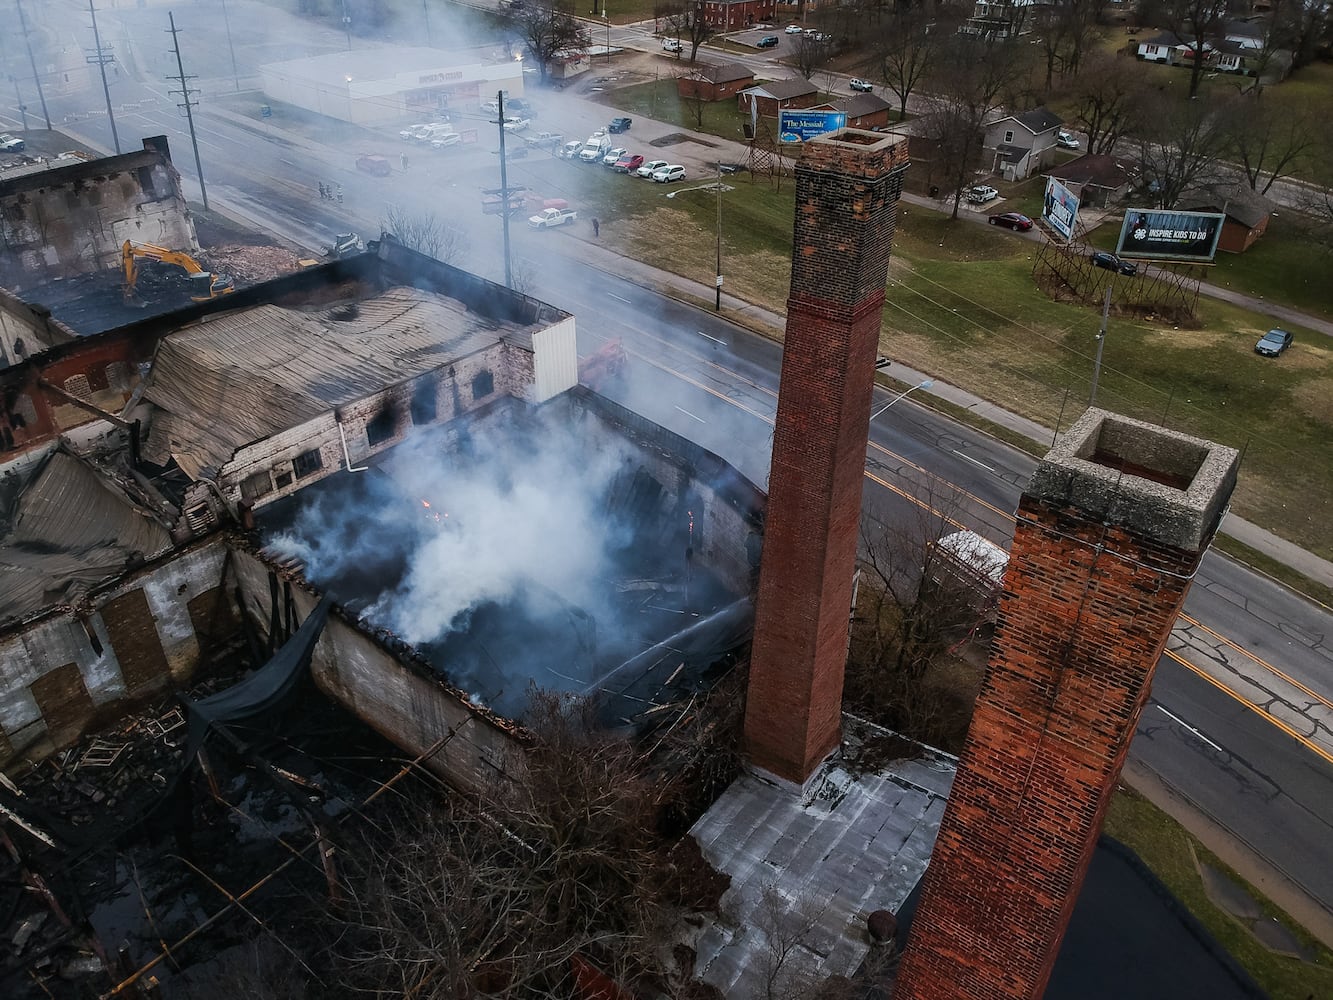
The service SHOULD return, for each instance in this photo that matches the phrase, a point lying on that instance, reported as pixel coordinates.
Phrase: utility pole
(235, 76)
(1101, 342)
(425, 14)
(18, 99)
(717, 305)
(504, 191)
(102, 57)
(347, 26)
(187, 104)
(36, 79)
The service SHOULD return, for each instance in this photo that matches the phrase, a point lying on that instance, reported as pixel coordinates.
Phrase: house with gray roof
(1018, 145)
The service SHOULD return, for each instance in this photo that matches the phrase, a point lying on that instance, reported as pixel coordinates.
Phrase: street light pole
(903, 395)
(1101, 341)
(235, 76)
(101, 64)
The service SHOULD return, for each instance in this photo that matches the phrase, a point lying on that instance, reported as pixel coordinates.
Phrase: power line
(188, 104)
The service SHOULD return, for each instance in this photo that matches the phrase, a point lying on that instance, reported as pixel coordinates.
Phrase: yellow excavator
(204, 285)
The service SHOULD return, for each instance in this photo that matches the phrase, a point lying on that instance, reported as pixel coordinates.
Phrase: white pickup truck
(552, 217)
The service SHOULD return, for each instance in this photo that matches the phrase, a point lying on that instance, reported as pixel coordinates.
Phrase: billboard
(1059, 208)
(1158, 235)
(797, 126)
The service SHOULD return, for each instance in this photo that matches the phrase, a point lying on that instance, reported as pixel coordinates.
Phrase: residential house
(1247, 213)
(773, 96)
(868, 111)
(715, 83)
(732, 15)
(1099, 180)
(1247, 34)
(1019, 145)
(1000, 18)
(1166, 47)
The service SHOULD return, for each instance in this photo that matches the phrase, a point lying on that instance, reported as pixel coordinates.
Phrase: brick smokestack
(847, 188)
(1109, 534)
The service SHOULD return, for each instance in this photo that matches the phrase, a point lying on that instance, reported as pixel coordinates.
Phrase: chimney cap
(1160, 484)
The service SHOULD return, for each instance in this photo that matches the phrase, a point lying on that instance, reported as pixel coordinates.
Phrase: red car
(628, 163)
(1013, 220)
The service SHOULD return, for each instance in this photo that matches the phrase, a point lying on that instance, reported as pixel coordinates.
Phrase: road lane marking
(618, 298)
(715, 340)
(1182, 722)
(689, 414)
(1277, 672)
(969, 458)
(1262, 712)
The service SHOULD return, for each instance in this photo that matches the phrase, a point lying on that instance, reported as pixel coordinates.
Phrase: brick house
(868, 111)
(715, 83)
(1247, 213)
(732, 15)
(778, 95)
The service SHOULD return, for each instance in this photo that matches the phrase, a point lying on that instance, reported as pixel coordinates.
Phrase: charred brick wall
(1109, 535)
(61, 673)
(847, 188)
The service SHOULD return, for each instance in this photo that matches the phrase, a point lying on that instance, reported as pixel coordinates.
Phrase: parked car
(446, 140)
(672, 45)
(551, 217)
(767, 42)
(1110, 262)
(793, 29)
(416, 131)
(551, 140)
(610, 157)
(981, 193)
(519, 106)
(373, 163)
(628, 163)
(669, 173)
(862, 86)
(569, 150)
(515, 124)
(651, 167)
(1016, 221)
(426, 133)
(593, 150)
(1273, 343)
(11, 143)
(1065, 140)
(618, 125)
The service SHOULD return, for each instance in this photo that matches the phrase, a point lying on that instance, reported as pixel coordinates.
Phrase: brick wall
(1100, 565)
(847, 187)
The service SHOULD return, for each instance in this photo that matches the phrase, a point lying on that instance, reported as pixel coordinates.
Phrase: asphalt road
(1270, 788)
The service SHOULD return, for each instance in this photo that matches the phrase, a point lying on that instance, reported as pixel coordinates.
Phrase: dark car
(1109, 261)
(767, 42)
(1273, 343)
(618, 125)
(373, 163)
(1012, 220)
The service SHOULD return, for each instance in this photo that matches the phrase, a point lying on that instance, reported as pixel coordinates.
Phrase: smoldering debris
(517, 552)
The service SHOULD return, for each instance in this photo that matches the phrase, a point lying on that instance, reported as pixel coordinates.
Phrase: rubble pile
(248, 264)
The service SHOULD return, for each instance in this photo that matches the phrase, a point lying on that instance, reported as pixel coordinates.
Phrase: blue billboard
(1059, 208)
(797, 126)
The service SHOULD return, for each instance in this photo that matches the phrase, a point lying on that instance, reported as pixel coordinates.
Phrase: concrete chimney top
(1168, 487)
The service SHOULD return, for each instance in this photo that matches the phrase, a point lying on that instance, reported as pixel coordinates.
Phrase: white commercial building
(372, 86)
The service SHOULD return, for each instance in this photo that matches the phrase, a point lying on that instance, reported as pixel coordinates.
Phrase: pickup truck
(552, 217)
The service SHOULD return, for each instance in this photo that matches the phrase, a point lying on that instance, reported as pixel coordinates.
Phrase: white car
(669, 173)
(424, 130)
(1066, 141)
(862, 86)
(446, 140)
(650, 168)
(609, 160)
(792, 29)
(672, 45)
(982, 193)
(592, 152)
(569, 150)
(516, 124)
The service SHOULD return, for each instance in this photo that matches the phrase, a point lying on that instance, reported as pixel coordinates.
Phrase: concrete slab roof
(806, 871)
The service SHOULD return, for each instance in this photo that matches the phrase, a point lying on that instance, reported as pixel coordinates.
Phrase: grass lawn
(962, 305)
(1287, 265)
(1169, 850)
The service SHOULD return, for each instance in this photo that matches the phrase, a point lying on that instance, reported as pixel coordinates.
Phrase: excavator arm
(204, 284)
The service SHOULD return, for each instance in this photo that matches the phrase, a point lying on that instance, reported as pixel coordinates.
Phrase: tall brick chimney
(1110, 532)
(847, 188)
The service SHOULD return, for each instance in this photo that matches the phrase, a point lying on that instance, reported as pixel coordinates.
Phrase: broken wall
(143, 634)
(27, 329)
(74, 219)
(408, 704)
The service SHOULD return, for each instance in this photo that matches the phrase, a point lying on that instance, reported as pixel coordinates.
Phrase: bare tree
(693, 94)
(971, 77)
(1108, 96)
(425, 232)
(547, 27)
(1269, 141)
(1178, 144)
(905, 47)
(1065, 30)
(1198, 23)
(809, 53)
(687, 21)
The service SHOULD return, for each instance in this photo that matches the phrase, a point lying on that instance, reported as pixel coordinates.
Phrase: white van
(597, 146)
(967, 561)
(436, 130)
